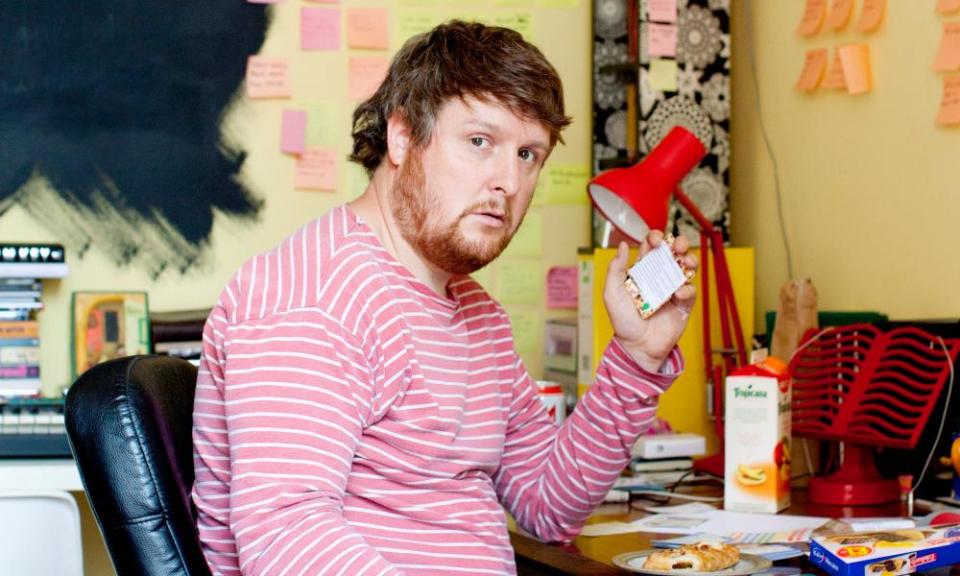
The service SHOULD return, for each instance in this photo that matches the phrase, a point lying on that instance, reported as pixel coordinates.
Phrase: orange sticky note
(662, 39)
(268, 77)
(856, 67)
(948, 55)
(319, 28)
(840, 11)
(367, 28)
(812, 17)
(948, 6)
(949, 113)
(364, 76)
(871, 14)
(317, 169)
(812, 72)
(835, 78)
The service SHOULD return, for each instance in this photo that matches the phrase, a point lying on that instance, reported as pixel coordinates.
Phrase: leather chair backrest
(129, 423)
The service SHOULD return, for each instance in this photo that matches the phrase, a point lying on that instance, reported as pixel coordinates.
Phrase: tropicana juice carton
(757, 438)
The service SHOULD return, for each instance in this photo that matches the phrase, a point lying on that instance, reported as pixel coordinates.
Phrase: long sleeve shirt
(350, 420)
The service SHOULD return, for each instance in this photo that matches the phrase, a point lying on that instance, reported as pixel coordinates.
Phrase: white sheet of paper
(688, 508)
(717, 522)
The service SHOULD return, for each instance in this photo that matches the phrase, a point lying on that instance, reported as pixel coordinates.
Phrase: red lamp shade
(635, 199)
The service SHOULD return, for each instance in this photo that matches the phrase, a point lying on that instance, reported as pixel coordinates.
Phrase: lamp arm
(689, 206)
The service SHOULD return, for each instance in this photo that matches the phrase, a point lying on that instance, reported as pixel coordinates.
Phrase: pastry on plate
(699, 557)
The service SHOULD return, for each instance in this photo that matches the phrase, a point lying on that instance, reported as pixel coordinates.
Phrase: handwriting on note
(268, 77)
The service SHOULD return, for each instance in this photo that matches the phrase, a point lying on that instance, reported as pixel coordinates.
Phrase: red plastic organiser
(866, 388)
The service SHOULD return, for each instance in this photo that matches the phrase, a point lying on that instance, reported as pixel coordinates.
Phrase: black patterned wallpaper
(701, 102)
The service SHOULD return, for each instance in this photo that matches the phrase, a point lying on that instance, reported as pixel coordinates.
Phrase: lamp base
(856, 483)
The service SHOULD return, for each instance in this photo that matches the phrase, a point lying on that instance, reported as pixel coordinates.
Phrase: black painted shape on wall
(126, 99)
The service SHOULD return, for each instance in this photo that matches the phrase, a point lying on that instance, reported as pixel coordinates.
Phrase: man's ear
(399, 138)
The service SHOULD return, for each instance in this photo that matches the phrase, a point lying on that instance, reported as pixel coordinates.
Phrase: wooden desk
(594, 556)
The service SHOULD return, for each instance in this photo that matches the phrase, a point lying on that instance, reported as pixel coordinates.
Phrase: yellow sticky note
(563, 183)
(364, 76)
(856, 68)
(558, 3)
(470, 15)
(526, 327)
(513, 3)
(355, 180)
(812, 18)
(835, 78)
(812, 73)
(268, 77)
(521, 281)
(663, 75)
(871, 14)
(487, 277)
(522, 22)
(367, 28)
(949, 113)
(948, 6)
(317, 170)
(415, 20)
(528, 240)
(327, 126)
(840, 11)
(948, 55)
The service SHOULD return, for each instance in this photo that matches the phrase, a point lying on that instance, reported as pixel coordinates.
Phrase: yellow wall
(563, 33)
(869, 182)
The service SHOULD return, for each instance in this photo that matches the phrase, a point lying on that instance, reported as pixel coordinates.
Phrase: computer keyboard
(33, 428)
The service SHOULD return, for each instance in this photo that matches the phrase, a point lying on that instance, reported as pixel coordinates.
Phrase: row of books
(19, 357)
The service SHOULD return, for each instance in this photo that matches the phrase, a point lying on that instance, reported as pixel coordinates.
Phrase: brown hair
(454, 60)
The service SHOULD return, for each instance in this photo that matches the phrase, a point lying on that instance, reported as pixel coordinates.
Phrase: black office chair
(129, 423)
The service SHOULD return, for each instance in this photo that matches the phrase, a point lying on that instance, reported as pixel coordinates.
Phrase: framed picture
(108, 325)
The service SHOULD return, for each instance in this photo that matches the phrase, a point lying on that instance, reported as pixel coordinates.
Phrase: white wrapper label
(657, 276)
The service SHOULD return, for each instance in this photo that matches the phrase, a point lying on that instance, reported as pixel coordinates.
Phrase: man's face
(459, 199)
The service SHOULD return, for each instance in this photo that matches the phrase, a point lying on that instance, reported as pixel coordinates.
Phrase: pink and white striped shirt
(350, 420)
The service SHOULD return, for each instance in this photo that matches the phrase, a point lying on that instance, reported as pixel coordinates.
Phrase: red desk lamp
(635, 200)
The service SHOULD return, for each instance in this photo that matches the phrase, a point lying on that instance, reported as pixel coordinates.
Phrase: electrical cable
(766, 139)
(943, 420)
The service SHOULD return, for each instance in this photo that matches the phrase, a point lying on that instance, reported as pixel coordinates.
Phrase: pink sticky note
(562, 287)
(293, 131)
(364, 76)
(317, 169)
(367, 28)
(268, 77)
(662, 39)
(319, 28)
(662, 10)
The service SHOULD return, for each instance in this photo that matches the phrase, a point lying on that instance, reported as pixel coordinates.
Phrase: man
(361, 408)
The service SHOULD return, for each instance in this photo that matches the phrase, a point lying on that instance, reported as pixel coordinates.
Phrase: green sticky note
(564, 183)
(513, 3)
(528, 240)
(558, 3)
(521, 281)
(526, 327)
(415, 20)
(663, 75)
(521, 21)
(327, 127)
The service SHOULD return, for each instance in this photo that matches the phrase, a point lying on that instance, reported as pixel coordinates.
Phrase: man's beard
(446, 247)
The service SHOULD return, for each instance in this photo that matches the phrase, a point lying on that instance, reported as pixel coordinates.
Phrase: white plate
(748, 564)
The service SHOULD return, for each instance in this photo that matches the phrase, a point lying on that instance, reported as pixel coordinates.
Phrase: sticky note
(319, 28)
(856, 68)
(813, 13)
(948, 6)
(526, 327)
(812, 73)
(528, 239)
(562, 287)
(948, 55)
(563, 183)
(521, 280)
(662, 10)
(840, 11)
(835, 78)
(268, 77)
(356, 180)
(663, 75)
(364, 76)
(487, 277)
(949, 113)
(661, 39)
(413, 20)
(327, 125)
(367, 28)
(293, 131)
(522, 22)
(513, 3)
(558, 3)
(317, 170)
(871, 14)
